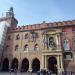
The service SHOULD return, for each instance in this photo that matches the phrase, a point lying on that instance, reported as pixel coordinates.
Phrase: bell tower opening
(10, 18)
(10, 12)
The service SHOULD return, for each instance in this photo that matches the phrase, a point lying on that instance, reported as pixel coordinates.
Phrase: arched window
(26, 36)
(17, 37)
(66, 45)
(36, 47)
(35, 35)
(16, 48)
(7, 47)
(9, 37)
(26, 48)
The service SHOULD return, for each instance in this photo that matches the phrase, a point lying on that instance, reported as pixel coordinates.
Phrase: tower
(9, 21)
(10, 18)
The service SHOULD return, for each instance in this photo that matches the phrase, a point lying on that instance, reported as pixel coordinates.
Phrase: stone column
(58, 64)
(10, 64)
(61, 61)
(19, 65)
(42, 65)
(45, 63)
(59, 42)
(44, 41)
(30, 66)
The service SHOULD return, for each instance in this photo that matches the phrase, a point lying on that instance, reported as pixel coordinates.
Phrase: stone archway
(25, 65)
(14, 64)
(52, 64)
(5, 65)
(35, 65)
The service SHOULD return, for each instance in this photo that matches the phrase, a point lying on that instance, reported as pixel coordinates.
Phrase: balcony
(52, 51)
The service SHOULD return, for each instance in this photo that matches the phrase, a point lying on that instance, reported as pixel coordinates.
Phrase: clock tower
(10, 18)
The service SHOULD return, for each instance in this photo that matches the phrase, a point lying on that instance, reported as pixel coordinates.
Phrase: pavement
(6, 73)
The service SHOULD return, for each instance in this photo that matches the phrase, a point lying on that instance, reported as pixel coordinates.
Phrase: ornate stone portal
(52, 53)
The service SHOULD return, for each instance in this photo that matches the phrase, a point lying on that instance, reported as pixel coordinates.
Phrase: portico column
(61, 61)
(59, 41)
(45, 41)
(10, 65)
(58, 64)
(45, 63)
(30, 67)
(42, 65)
(19, 65)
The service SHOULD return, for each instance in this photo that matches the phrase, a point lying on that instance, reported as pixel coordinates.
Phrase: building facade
(48, 46)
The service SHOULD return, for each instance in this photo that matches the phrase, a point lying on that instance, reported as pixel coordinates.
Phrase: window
(26, 48)
(7, 47)
(9, 37)
(26, 36)
(17, 37)
(36, 47)
(35, 35)
(16, 48)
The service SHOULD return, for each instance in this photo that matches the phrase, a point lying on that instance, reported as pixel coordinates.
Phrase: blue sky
(36, 11)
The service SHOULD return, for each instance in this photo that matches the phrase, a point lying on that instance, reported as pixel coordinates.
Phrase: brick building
(49, 46)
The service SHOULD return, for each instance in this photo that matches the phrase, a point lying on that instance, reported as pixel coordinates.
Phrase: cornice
(43, 26)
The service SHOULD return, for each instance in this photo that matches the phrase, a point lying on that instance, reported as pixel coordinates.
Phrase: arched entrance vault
(5, 65)
(14, 64)
(25, 65)
(52, 64)
(35, 65)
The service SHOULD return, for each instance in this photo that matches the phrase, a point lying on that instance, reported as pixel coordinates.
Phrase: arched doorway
(14, 64)
(52, 64)
(5, 65)
(25, 65)
(35, 65)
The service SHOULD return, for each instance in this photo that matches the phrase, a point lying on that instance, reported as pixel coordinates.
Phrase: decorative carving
(52, 43)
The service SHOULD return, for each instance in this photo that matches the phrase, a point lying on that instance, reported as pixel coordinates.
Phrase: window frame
(17, 37)
(26, 36)
(26, 48)
(16, 47)
(36, 47)
(9, 37)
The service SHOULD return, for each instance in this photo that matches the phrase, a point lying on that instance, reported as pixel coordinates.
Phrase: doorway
(52, 64)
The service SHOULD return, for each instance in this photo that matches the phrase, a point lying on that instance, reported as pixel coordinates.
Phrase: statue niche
(52, 43)
(66, 45)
